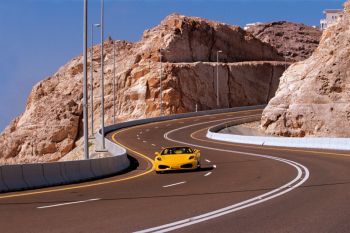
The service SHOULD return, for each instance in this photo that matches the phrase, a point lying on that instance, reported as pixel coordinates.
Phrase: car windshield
(177, 150)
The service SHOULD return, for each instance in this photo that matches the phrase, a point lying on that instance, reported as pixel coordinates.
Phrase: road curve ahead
(239, 188)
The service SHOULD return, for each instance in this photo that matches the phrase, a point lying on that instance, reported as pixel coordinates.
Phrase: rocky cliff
(313, 96)
(295, 41)
(51, 124)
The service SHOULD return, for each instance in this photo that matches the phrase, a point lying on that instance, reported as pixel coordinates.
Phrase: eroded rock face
(192, 39)
(52, 121)
(294, 41)
(241, 84)
(314, 95)
(49, 126)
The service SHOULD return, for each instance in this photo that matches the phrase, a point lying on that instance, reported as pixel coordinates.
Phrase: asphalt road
(251, 188)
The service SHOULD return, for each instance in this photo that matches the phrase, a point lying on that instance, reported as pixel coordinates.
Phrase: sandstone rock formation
(313, 96)
(294, 41)
(52, 121)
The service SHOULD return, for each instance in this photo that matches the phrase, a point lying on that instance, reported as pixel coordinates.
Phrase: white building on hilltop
(332, 16)
(248, 25)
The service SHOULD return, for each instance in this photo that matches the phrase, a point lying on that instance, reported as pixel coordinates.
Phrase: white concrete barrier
(85, 170)
(107, 166)
(13, 177)
(3, 187)
(53, 174)
(306, 142)
(114, 164)
(33, 175)
(72, 169)
(117, 165)
(97, 169)
(64, 172)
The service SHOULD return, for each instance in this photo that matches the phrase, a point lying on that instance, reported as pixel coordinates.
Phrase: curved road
(251, 188)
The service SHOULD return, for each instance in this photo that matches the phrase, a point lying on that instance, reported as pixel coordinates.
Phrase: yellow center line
(260, 147)
(138, 153)
(60, 189)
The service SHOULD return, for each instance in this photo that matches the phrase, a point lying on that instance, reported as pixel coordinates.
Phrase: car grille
(163, 167)
(189, 165)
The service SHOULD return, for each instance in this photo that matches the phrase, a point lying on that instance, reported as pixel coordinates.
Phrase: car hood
(176, 158)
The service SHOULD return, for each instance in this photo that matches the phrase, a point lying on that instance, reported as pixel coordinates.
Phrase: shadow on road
(201, 169)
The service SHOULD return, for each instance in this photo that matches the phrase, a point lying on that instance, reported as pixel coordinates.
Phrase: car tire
(198, 165)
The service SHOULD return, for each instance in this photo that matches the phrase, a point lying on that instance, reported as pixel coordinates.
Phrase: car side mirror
(157, 154)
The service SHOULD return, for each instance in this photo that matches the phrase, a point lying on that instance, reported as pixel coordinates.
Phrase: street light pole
(217, 78)
(149, 61)
(285, 56)
(102, 79)
(160, 84)
(85, 107)
(114, 92)
(91, 78)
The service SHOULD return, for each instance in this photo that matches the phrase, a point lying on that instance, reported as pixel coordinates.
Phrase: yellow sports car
(177, 158)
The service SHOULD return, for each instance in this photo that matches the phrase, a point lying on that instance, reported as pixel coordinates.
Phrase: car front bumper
(183, 166)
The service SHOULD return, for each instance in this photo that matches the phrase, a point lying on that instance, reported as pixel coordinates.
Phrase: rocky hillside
(51, 124)
(294, 41)
(313, 96)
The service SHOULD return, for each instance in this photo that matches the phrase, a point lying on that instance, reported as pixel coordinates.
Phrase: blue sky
(39, 36)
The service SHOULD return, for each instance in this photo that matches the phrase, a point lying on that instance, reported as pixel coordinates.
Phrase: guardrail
(306, 142)
(31, 176)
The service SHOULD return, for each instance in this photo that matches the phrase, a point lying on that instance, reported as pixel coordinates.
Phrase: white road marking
(144, 141)
(302, 172)
(156, 127)
(208, 174)
(67, 203)
(153, 145)
(166, 186)
(214, 166)
(208, 161)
